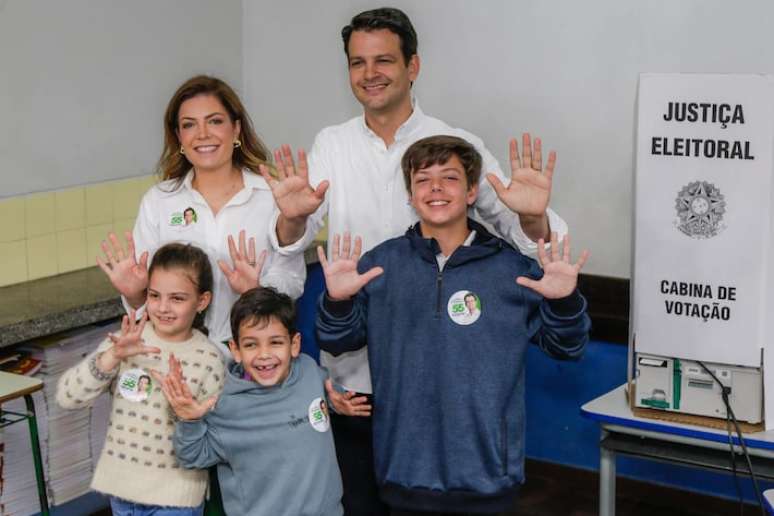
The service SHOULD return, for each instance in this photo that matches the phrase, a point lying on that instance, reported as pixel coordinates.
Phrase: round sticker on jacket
(464, 307)
(318, 415)
(135, 385)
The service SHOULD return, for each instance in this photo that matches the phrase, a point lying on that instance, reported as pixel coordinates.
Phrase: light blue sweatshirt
(273, 445)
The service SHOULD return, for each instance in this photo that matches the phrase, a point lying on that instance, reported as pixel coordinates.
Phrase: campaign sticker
(135, 385)
(318, 415)
(464, 307)
(184, 218)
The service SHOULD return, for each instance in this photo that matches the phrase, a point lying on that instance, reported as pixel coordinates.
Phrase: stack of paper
(70, 440)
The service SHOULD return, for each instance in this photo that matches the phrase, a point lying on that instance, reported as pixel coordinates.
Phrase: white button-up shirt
(161, 220)
(368, 198)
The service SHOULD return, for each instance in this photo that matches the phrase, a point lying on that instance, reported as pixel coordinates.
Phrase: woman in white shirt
(211, 196)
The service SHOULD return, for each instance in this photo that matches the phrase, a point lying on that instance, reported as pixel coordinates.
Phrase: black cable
(747, 458)
(724, 392)
(733, 464)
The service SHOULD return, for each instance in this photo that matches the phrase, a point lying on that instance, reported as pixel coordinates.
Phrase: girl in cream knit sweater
(138, 468)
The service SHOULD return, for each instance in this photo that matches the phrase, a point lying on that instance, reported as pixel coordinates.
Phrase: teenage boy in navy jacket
(447, 332)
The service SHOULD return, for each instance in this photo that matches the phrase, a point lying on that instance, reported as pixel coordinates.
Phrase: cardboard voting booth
(703, 261)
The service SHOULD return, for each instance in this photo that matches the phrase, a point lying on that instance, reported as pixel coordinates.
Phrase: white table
(623, 432)
(768, 501)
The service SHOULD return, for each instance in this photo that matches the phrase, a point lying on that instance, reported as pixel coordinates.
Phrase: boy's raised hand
(128, 276)
(295, 197)
(529, 191)
(128, 344)
(560, 277)
(347, 403)
(246, 273)
(341, 277)
(179, 396)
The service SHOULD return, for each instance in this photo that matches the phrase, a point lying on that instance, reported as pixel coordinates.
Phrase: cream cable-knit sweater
(138, 461)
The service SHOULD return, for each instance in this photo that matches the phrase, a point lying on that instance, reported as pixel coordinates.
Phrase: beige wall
(83, 89)
(50, 233)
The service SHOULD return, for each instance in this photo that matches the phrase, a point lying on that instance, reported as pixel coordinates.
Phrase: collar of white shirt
(414, 121)
(251, 180)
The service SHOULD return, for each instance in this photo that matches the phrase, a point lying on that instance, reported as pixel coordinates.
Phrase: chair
(14, 386)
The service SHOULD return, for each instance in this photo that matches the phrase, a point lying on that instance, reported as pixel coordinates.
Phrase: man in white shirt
(360, 161)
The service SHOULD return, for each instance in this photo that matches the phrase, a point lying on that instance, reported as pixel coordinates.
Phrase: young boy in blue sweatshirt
(447, 330)
(269, 429)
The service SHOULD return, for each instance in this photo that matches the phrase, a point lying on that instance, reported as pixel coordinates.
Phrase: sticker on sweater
(318, 415)
(135, 385)
(464, 307)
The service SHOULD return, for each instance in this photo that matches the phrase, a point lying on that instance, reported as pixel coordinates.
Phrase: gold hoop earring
(182, 150)
(237, 144)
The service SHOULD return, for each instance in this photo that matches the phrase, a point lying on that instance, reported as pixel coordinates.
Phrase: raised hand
(128, 276)
(246, 273)
(179, 396)
(529, 191)
(347, 403)
(295, 197)
(341, 277)
(128, 344)
(560, 277)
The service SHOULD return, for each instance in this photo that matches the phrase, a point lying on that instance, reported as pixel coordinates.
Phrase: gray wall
(565, 70)
(84, 83)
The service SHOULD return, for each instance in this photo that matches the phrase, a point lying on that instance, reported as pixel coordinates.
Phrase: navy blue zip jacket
(449, 397)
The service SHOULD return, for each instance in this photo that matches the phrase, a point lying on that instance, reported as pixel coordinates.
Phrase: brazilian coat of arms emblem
(700, 207)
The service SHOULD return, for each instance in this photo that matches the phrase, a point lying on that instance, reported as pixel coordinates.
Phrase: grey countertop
(51, 305)
(59, 303)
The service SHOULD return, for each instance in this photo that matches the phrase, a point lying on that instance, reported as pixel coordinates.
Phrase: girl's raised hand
(179, 396)
(128, 276)
(128, 344)
(246, 273)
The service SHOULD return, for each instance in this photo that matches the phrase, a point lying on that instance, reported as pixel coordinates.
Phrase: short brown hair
(437, 150)
(258, 306)
(388, 18)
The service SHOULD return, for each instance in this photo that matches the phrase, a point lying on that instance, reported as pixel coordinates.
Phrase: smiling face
(172, 303)
(441, 196)
(470, 302)
(142, 384)
(378, 74)
(206, 133)
(265, 349)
